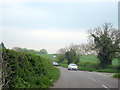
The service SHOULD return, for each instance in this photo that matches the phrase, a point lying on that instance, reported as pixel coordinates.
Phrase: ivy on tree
(106, 40)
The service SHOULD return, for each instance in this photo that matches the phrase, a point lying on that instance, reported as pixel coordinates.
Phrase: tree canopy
(2, 45)
(25, 50)
(107, 42)
(71, 56)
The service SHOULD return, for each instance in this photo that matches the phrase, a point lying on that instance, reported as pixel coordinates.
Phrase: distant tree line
(80, 49)
(72, 53)
(25, 50)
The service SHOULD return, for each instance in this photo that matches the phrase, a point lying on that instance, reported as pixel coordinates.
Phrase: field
(83, 59)
(94, 59)
(89, 58)
(48, 56)
(88, 63)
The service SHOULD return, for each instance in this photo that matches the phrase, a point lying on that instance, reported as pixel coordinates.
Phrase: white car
(55, 63)
(72, 67)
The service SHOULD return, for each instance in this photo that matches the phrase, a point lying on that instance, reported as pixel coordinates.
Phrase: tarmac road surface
(85, 79)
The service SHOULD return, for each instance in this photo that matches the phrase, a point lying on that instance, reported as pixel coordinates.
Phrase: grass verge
(117, 75)
(63, 65)
(92, 69)
(108, 70)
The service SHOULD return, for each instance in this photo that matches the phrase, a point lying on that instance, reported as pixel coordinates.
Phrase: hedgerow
(27, 70)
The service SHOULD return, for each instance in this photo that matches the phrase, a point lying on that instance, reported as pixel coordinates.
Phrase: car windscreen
(72, 65)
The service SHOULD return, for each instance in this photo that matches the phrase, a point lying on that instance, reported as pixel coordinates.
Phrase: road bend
(85, 79)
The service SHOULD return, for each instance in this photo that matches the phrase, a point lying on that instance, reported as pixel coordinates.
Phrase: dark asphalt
(85, 79)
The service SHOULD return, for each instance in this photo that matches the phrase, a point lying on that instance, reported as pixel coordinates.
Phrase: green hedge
(27, 70)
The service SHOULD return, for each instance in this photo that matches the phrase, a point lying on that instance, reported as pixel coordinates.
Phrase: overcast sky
(52, 24)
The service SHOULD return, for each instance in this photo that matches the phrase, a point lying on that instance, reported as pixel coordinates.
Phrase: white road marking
(92, 79)
(102, 74)
(105, 87)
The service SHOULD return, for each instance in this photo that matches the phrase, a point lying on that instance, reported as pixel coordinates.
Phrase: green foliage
(115, 62)
(76, 59)
(86, 69)
(65, 61)
(24, 50)
(2, 45)
(56, 60)
(91, 63)
(117, 75)
(63, 65)
(88, 62)
(25, 70)
(71, 56)
(88, 65)
(43, 51)
(61, 57)
(105, 44)
(89, 58)
(48, 56)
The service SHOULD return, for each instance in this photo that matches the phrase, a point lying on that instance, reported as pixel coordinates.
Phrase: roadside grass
(79, 68)
(117, 75)
(86, 69)
(63, 65)
(108, 70)
(92, 69)
(55, 75)
(91, 62)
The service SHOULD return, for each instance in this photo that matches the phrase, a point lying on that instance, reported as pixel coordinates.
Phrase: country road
(85, 79)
